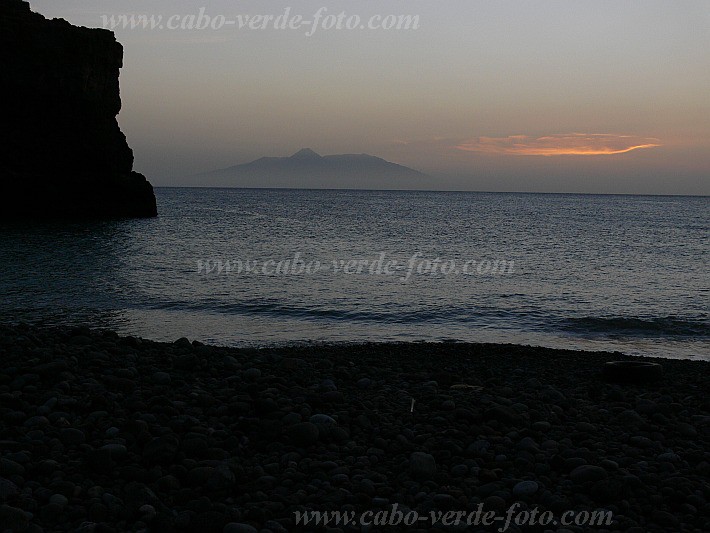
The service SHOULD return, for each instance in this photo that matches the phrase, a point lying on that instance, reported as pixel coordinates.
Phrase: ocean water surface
(626, 273)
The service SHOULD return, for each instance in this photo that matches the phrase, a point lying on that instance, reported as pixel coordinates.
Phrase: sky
(602, 96)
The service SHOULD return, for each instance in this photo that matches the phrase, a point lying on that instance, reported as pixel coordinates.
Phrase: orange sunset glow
(584, 144)
(616, 90)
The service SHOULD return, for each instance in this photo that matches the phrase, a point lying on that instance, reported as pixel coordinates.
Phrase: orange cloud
(559, 144)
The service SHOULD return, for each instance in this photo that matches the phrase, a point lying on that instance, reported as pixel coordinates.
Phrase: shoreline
(119, 433)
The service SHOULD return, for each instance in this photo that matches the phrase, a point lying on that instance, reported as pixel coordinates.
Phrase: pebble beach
(106, 433)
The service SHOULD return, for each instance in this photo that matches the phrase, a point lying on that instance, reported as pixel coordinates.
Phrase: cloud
(559, 144)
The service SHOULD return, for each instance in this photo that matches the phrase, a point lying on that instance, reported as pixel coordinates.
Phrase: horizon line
(434, 191)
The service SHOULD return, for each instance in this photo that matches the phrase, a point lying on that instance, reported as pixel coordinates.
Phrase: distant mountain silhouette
(304, 153)
(308, 170)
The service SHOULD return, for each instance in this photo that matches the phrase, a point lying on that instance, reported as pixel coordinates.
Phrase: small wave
(276, 309)
(479, 316)
(635, 326)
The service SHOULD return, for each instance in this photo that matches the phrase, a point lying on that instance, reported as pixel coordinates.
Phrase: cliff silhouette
(64, 153)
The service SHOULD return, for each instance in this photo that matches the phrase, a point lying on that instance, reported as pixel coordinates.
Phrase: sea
(274, 267)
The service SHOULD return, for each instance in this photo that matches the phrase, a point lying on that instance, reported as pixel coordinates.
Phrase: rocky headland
(64, 154)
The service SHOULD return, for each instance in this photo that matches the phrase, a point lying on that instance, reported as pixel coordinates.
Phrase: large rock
(422, 465)
(585, 473)
(63, 152)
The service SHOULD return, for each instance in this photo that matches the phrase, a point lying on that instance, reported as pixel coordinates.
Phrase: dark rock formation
(63, 152)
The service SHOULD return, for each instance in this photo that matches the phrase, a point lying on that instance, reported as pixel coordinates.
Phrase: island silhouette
(307, 169)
